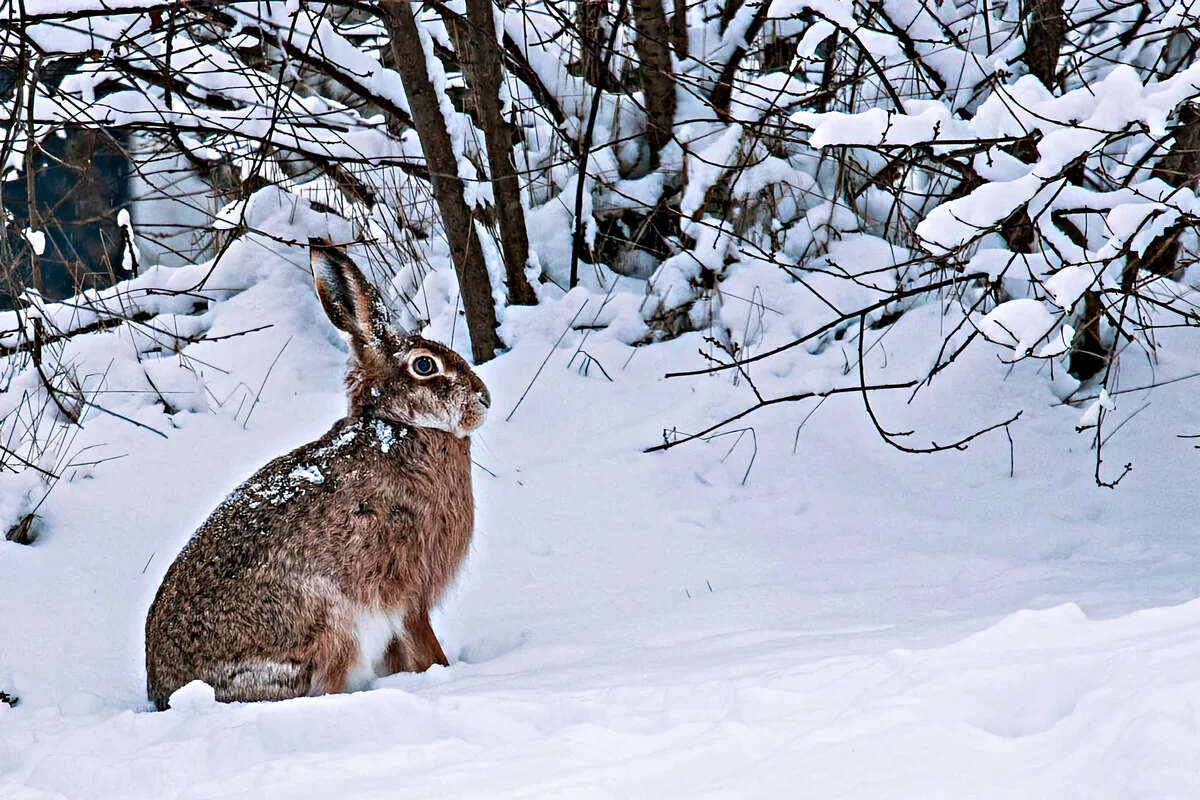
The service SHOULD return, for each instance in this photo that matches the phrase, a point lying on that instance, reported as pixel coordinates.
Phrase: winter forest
(837, 360)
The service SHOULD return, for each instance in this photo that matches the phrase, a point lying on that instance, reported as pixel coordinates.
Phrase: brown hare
(318, 574)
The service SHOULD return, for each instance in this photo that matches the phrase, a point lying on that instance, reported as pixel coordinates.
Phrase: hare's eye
(424, 366)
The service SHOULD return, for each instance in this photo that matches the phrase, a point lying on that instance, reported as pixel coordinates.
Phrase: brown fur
(374, 518)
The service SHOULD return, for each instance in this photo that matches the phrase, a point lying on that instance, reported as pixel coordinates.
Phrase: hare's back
(293, 502)
(272, 542)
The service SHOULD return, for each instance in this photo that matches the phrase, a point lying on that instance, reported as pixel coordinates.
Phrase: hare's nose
(485, 398)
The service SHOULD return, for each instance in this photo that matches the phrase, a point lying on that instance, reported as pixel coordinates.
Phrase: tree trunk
(458, 220)
(1045, 33)
(1180, 168)
(729, 10)
(722, 93)
(778, 51)
(828, 93)
(31, 145)
(679, 29)
(654, 65)
(1088, 353)
(484, 73)
(588, 14)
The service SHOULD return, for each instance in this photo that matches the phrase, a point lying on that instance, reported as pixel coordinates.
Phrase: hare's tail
(261, 679)
(250, 681)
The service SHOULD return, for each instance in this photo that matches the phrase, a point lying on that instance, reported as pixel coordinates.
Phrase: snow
(879, 126)
(230, 216)
(1068, 285)
(1021, 323)
(728, 618)
(707, 166)
(1086, 122)
(195, 696)
(1013, 709)
(36, 240)
(788, 607)
(1103, 403)
(386, 435)
(308, 472)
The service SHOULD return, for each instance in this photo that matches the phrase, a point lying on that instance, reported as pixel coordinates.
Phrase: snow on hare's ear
(350, 301)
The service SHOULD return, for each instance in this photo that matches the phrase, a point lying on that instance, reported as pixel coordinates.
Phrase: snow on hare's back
(318, 574)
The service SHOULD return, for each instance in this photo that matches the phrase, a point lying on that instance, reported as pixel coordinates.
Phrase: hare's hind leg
(417, 650)
(334, 655)
(313, 654)
(322, 669)
(261, 679)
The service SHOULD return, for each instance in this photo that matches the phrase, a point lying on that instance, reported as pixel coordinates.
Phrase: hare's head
(400, 377)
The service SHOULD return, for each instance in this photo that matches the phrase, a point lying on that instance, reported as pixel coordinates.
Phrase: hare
(318, 574)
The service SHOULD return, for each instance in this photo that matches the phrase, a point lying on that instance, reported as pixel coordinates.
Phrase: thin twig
(566, 330)
(773, 401)
(258, 394)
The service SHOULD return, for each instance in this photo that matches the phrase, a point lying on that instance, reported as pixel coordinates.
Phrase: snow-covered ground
(848, 622)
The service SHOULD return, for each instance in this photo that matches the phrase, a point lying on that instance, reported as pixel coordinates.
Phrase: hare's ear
(350, 301)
